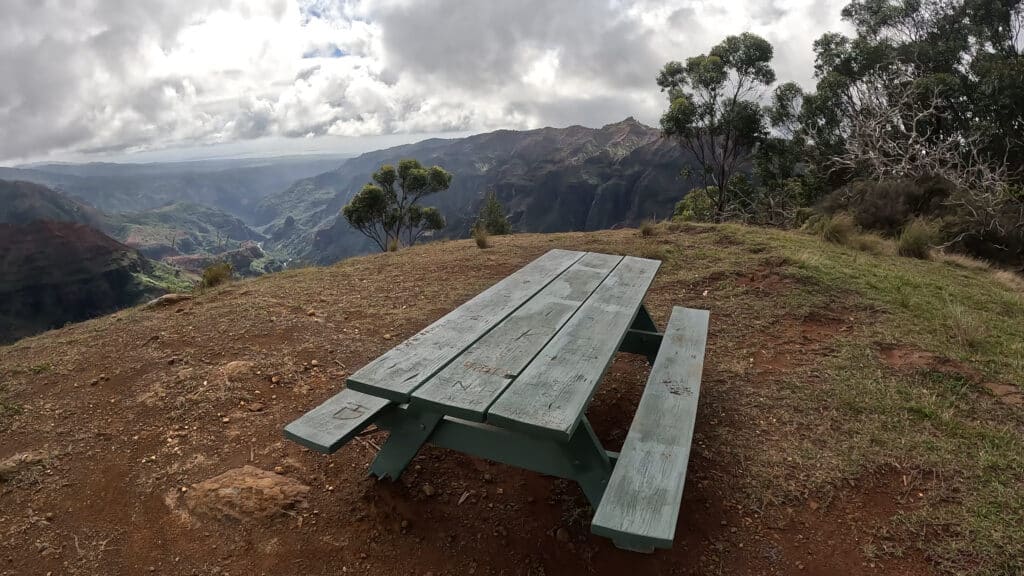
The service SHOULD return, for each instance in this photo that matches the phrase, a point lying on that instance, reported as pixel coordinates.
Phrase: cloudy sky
(165, 79)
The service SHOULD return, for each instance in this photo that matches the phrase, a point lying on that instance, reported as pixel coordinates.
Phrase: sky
(149, 80)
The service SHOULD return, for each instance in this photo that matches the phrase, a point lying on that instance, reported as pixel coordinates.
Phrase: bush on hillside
(916, 240)
(697, 205)
(492, 217)
(647, 228)
(216, 275)
(888, 206)
(482, 238)
(838, 229)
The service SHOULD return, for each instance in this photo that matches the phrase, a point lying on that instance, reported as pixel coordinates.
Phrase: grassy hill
(859, 415)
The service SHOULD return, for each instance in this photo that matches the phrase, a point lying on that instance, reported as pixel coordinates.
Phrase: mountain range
(114, 233)
(549, 180)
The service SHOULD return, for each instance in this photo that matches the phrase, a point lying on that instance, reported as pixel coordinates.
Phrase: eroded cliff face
(52, 273)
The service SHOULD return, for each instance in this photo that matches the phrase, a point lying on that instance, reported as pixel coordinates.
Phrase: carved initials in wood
(350, 412)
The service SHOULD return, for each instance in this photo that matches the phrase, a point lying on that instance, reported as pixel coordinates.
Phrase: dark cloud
(113, 75)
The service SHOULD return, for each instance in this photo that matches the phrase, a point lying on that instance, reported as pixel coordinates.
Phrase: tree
(492, 216)
(713, 107)
(387, 210)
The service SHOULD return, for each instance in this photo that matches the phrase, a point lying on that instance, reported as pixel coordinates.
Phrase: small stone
(463, 498)
(255, 406)
(388, 336)
(314, 363)
(225, 419)
(275, 379)
(405, 524)
(311, 313)
(104, 377)
(279, 469)
(562, 535)
(428, 490)
(94, 382)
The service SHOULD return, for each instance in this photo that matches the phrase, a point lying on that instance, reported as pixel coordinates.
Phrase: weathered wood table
(508, 377)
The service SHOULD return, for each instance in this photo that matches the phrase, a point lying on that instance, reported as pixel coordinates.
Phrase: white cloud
(107, 76)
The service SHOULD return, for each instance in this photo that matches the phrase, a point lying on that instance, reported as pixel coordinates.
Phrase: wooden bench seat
(640, 505)
(330, 425)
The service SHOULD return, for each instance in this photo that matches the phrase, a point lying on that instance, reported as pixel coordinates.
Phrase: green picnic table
(508, 377)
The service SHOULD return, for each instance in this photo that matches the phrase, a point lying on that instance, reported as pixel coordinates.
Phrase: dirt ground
(127, 414)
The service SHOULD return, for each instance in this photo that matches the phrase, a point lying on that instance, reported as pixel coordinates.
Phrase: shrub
(697, 205)
(492, 217)
(216, 275)
(483, 240)
(916, 240)
(393, 245)
(838, 229)
(647, 228)
(887, 206)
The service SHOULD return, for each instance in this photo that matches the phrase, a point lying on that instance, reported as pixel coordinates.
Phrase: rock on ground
(245, 494)
(167, 300)
(10, 467)
(238, 369)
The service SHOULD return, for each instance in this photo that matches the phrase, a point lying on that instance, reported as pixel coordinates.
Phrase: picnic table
(508, 377)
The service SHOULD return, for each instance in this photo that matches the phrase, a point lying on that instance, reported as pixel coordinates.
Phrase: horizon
(171, 158)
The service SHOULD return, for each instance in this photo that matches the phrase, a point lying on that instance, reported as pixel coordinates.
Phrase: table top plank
(401, 370)
(551, 394)
(471, 383)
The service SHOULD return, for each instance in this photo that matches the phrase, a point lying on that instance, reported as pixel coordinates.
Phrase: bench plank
(640, 506)
(468, 386)
(405, 367)
(551, 394)
(330, 425)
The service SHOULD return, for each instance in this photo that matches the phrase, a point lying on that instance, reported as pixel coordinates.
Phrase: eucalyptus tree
(387, 210)
(714, 110)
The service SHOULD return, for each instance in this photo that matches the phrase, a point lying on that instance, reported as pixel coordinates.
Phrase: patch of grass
(8, 409)
(393, 245)
(916, 240)
(480, 236)
(966, 327)
(216, 275)
(40, 368)
(648, 229)
(870, 243)
(838, 229)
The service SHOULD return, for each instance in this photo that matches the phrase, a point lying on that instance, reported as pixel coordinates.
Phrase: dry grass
(961, 260)
(481, 237)
(648, 228)
(916, 240)
(838, 229)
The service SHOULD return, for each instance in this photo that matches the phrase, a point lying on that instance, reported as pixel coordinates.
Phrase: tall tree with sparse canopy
(387, 210)
(492, 216)
(713, 107)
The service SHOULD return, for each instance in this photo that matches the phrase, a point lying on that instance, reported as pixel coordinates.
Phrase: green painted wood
(640, 507)
(409, 432)
(468, 385)
(403, 368)
(552, 393)
(333, 423)
(581, 459)
(641, 342)
(643, 321)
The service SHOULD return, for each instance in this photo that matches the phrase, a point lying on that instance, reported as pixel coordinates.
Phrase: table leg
(590, 462)
(409, 432)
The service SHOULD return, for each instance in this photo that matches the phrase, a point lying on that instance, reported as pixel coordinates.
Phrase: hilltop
(858, 415)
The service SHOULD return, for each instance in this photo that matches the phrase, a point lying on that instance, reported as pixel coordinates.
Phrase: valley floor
(859, 415)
